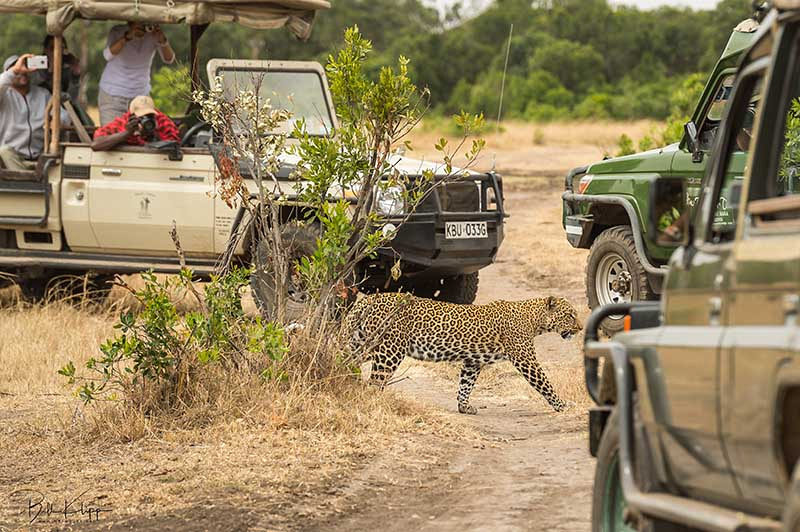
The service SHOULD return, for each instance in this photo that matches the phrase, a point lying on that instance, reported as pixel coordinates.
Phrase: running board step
(96, 262)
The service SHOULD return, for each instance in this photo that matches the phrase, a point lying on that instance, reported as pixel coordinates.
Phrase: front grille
(463, 196)
(74, 171)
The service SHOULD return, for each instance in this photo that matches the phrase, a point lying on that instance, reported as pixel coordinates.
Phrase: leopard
(385, 328)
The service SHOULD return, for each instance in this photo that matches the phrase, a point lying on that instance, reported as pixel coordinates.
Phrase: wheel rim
(614, 504)
(613, 281)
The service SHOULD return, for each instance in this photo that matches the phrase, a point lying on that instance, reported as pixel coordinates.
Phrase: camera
(148, 125)
(37, 62)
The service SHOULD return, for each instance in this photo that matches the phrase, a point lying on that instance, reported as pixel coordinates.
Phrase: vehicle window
(720, 99)
(726, 199)
(787, 182)
(775, 195)
(715, 112)
(301, 93)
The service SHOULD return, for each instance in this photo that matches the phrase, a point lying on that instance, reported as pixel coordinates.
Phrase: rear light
(583, 184)
(626, 323)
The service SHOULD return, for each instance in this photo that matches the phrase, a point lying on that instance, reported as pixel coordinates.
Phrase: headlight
(390, 201)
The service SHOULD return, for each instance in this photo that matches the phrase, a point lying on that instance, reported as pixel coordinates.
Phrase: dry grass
(238, 437)
(525, 148)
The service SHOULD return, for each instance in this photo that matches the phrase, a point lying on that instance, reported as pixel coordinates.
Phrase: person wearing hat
(22, 114)
(129, 54)
(142, 123)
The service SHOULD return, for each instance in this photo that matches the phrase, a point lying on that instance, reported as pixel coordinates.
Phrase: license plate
(455, 230)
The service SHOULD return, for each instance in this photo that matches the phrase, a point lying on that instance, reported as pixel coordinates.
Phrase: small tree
(343, 180)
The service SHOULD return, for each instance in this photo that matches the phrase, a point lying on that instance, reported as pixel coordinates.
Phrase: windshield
(299, 92)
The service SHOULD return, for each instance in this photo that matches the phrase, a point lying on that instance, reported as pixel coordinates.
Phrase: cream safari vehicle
(94, 214)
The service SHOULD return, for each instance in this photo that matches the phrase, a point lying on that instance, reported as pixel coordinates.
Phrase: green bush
(597, 105)
(171, 90)
(625, 146)
(158, 348)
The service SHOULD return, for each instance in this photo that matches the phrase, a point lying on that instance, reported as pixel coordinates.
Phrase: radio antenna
(503, 83)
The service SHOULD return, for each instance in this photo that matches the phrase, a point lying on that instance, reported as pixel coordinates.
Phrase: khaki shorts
(111, 106)
(11, 160)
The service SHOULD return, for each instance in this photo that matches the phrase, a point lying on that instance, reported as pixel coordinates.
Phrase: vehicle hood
(402, 164)
(657, 160)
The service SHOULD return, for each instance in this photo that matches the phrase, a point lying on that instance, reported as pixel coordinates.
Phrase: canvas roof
(297, 15)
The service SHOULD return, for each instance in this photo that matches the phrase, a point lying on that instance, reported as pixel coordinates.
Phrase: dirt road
(528, 468)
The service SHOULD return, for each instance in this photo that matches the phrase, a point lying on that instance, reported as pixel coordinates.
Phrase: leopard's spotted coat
(387, 327)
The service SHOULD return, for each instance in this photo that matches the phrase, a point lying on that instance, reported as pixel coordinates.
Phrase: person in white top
(129, 54)
(22, 115)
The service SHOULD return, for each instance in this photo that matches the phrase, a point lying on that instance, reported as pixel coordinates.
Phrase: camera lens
(148, 124)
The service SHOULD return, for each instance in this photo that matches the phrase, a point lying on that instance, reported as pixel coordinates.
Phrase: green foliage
(171, 90)
(155, 345)
(625, 146)
(632, 55)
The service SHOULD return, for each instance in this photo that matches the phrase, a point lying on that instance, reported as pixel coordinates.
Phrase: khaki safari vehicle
(100, 213)
(697, 426)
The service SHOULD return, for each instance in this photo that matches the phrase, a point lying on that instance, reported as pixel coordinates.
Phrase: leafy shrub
(157, 349)
(625, 146)
(597, 106)
(171, 90)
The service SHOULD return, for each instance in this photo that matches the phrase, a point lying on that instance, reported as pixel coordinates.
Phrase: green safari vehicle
(606, 205)
(702, 430)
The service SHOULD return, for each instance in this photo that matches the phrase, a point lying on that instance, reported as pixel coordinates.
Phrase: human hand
(21, 66)
(132, 126)
(159, 33)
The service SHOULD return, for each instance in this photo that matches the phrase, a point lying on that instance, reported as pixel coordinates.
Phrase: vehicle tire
(614, 274)
(89, 287)
(608, 501)
(460, 289)
(33, 290)
(791, 512)
(301, 241)
(74, 289)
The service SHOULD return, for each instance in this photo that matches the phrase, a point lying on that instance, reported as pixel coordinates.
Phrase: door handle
(111, 172)
(714, 310)
(195, 178)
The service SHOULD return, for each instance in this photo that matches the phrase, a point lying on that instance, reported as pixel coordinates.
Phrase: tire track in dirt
(529, 469)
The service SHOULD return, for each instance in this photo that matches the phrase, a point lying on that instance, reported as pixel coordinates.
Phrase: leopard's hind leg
(521, 353)
(469, 374)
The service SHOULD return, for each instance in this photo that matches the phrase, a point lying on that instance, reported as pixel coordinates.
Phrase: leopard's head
(561, 317)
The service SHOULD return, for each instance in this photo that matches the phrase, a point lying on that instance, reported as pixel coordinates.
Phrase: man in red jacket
(142, 123)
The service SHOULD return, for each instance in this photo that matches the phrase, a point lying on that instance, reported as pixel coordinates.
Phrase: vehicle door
(135, 194)
(695, 309)
(765, 297)
(691, 165)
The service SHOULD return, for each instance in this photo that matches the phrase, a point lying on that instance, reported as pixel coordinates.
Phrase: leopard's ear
(551, 302)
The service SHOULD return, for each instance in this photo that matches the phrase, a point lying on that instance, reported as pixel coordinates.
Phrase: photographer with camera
(129, 54)
(141, 124)
(22, 113)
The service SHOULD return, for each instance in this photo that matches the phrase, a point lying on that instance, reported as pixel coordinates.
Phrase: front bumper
(421, 243)
(425, 250)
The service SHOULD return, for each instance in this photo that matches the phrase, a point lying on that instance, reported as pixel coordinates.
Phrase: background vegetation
(569, 58)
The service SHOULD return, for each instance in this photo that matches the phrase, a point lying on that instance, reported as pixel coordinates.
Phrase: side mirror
(693, 142)
(669, 212)
(171, 147)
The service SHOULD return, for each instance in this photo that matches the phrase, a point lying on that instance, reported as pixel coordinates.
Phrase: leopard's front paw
(467, 409)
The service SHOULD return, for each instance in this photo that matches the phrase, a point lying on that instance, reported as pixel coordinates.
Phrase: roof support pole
(195, 32)
(55, 123)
